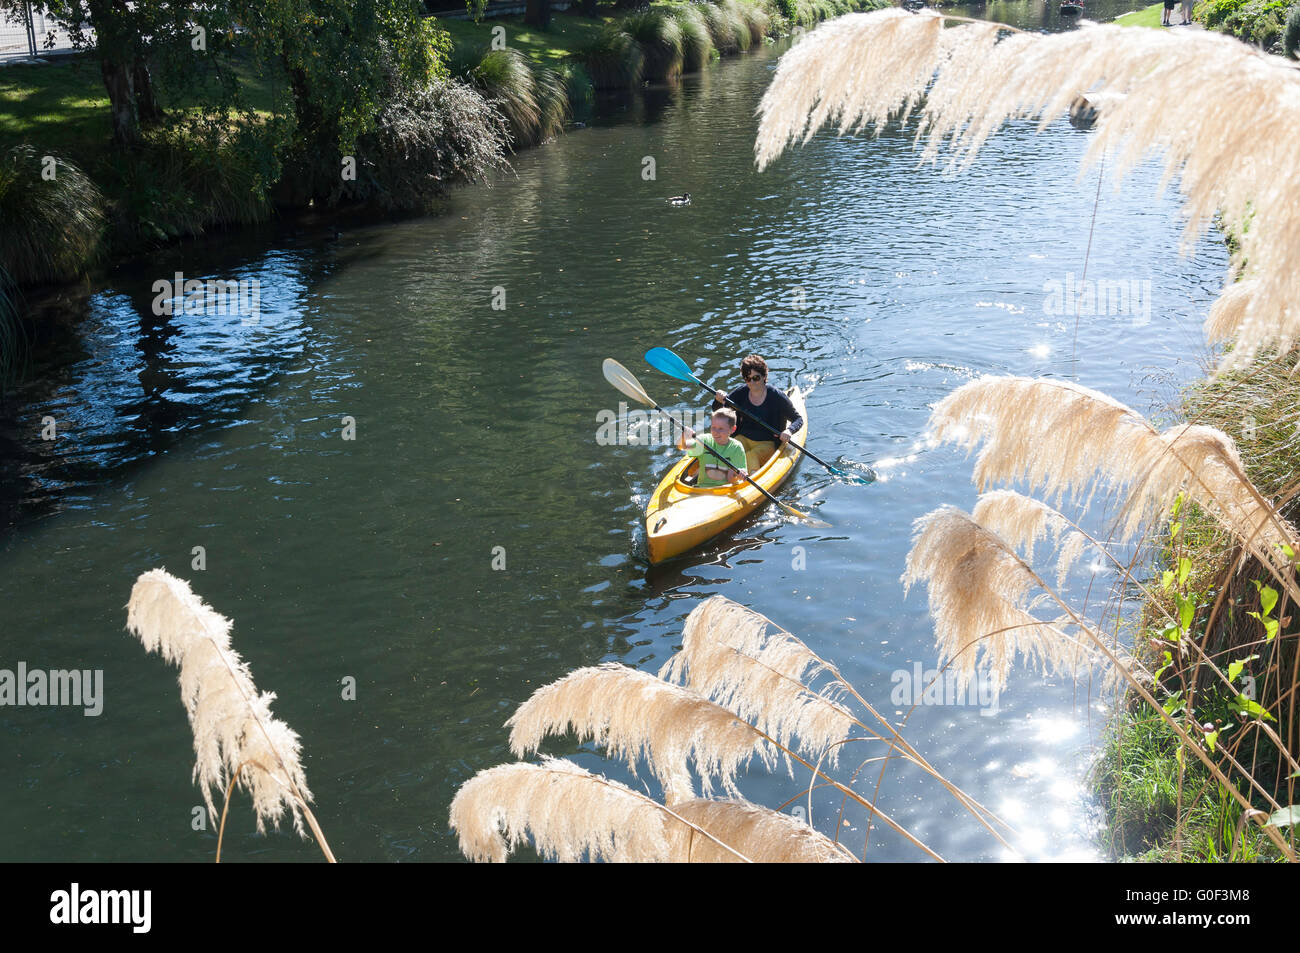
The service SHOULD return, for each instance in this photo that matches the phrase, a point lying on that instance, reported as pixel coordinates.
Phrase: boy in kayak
(712, 471)
(766, 403)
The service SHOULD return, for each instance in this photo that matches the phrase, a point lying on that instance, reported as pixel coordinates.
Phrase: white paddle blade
(622, 379)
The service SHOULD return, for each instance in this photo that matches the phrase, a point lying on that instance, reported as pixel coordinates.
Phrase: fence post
(31, 29)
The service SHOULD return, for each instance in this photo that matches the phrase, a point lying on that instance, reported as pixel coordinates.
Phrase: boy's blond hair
(725, 412)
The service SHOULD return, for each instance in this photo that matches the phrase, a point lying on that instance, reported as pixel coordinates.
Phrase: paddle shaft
(727, 464)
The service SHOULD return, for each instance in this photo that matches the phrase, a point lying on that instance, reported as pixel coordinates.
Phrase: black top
(776, 410)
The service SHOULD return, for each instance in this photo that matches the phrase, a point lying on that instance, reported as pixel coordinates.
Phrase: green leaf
(1179, 755)
(1287, 816)
(1186, 610)
(1211, 738)
(1234, 668)
(1167, 579)
(1267, 599)
(1178, 505)
(1270, 627)
(1184, 570)
(1174, 528)
(1168, 660)
(1247, 706)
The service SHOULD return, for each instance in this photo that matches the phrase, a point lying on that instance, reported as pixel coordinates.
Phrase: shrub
(1291, 38)
(1261, 22)
(187, 178)
(427, 138)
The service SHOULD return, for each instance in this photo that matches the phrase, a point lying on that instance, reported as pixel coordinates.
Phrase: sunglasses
(753, 377)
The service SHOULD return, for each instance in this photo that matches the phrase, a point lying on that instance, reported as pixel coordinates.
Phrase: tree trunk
(308, 163)
(146, 102)
(121, 103)
(538, 14)
(116, 42)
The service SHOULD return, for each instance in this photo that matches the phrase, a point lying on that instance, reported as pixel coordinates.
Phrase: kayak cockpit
(690, 471)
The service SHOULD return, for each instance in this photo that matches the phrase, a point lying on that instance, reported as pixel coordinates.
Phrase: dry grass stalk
(1065, 439)
(979, 599)
(735, 657)
(762, 835)
(1230, 147)
(236, 738)
(634, 716)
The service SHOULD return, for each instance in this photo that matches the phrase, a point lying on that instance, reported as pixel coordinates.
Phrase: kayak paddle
(622, 379)
(662, 359)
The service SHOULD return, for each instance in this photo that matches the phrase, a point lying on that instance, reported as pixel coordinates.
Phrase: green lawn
(61, 104)
(567, 33)
(1148, 17)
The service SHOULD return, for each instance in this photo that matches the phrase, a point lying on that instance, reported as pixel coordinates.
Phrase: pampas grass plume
(235, 734)
(739, 659)
(635, 716)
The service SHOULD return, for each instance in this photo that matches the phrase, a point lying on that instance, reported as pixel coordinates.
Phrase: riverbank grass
(1158, 804)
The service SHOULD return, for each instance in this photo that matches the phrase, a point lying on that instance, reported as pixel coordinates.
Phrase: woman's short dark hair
(753, 363)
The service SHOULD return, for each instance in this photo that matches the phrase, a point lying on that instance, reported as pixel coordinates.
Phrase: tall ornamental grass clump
(526, 97)
(186, 178)
(659, 35)
(613, 60)
(726, 28)
(756, 20)
(697, 44)
(53, 217)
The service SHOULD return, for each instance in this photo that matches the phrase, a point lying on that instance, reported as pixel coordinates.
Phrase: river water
(878, 284)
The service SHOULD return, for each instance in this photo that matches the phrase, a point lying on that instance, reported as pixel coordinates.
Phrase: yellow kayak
(681, 516)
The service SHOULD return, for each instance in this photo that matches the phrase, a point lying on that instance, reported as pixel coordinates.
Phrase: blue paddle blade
(662, 359)
(856, 478)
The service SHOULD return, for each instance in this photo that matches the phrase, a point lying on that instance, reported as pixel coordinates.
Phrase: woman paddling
(766, 403)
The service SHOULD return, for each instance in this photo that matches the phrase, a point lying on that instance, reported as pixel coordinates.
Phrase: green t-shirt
(733, 453)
